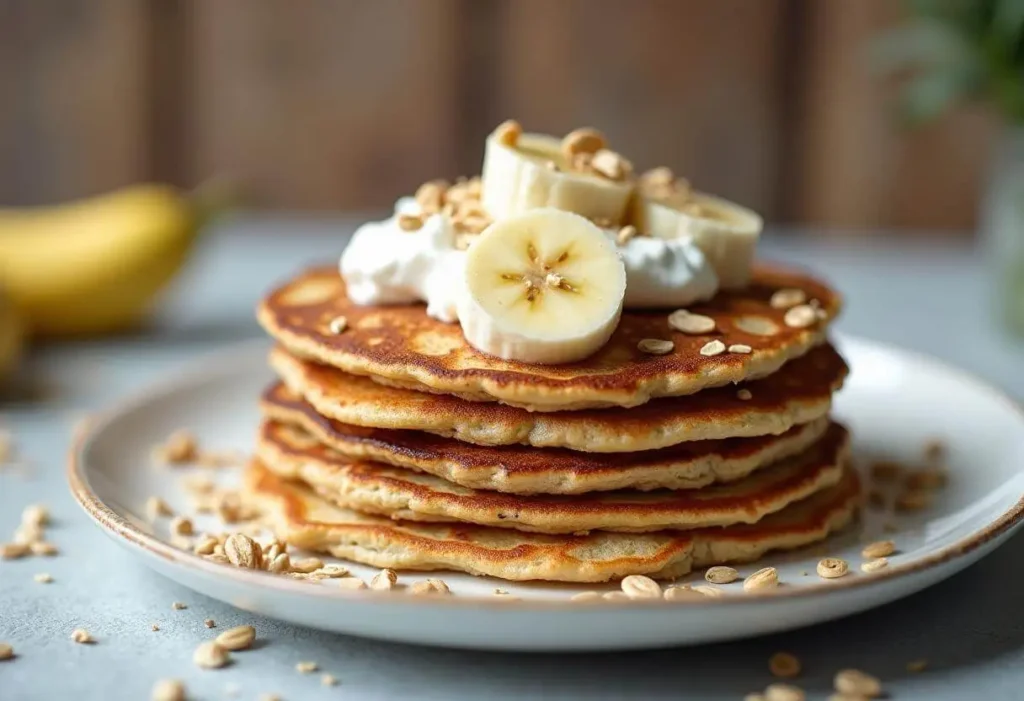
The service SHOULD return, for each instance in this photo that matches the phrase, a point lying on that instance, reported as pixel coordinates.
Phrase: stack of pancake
(390, 441)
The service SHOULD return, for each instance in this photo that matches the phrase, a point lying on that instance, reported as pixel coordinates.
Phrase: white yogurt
(384, 264)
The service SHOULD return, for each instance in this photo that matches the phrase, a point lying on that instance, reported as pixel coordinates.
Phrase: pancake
(517, 469)
(305, 520)
(798, 393)
(403, 346)
(402, 494)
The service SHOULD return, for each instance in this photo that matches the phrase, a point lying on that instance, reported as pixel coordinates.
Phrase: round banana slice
(527, 171)
(727, 233)
(542, 287)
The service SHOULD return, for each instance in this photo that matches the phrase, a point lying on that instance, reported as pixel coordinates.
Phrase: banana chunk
(529, 171)
(542, 287)
(727, 233)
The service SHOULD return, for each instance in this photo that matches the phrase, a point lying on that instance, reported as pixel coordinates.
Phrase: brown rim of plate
(120, 526)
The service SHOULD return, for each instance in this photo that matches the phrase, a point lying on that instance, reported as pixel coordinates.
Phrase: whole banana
(12, 335)
(96, 265)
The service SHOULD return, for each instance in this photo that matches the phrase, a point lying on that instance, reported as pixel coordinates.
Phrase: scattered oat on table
(6, 651)
(857, 683)
(168, 690)
(210, 655)
(328, 680)
(35, 515)
(81, 636)
(26, 534)
(154, 628)
(915, 666)
(13, 551)
(306, 667)
(237, 638)
(209, 623)
(784, 665)
(178, 606)
(43, 548)
(585, 596)
(43, 578)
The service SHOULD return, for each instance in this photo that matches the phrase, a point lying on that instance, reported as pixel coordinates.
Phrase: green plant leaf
(928, 95)
(1008, 22)
(925, 43)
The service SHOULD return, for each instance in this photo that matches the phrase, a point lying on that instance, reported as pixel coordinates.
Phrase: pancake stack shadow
(387, 440)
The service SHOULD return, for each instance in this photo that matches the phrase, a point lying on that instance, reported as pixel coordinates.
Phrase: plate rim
(216, 363)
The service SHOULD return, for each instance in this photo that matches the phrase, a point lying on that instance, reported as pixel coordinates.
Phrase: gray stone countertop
(927, 296)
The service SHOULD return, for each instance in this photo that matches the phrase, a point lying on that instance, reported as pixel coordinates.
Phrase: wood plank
(342, 104)
(689, 84)
(72, 121)
(854, 165)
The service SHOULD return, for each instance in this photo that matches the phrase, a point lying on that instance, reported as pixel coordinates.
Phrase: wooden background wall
(327, 104)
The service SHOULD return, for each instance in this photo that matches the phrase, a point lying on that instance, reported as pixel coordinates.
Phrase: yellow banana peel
(96, 265)
(12, 337)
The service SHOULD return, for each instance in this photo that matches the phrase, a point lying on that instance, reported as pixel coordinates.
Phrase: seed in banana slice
(529, 171)
(727, 233)
(542, 287)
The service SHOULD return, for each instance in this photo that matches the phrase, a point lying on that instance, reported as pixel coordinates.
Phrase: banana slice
(727, 233)
(527, 171)
(542, 287)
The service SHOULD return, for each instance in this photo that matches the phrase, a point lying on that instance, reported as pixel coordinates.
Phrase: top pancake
(402, 345)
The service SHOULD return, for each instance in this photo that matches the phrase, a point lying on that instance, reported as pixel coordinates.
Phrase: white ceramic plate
(894, 402)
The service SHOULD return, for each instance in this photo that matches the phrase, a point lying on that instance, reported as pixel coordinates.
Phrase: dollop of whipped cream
(384, 264)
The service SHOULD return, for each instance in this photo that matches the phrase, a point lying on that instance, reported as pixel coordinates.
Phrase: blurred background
(867, 132)
(346, 104)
